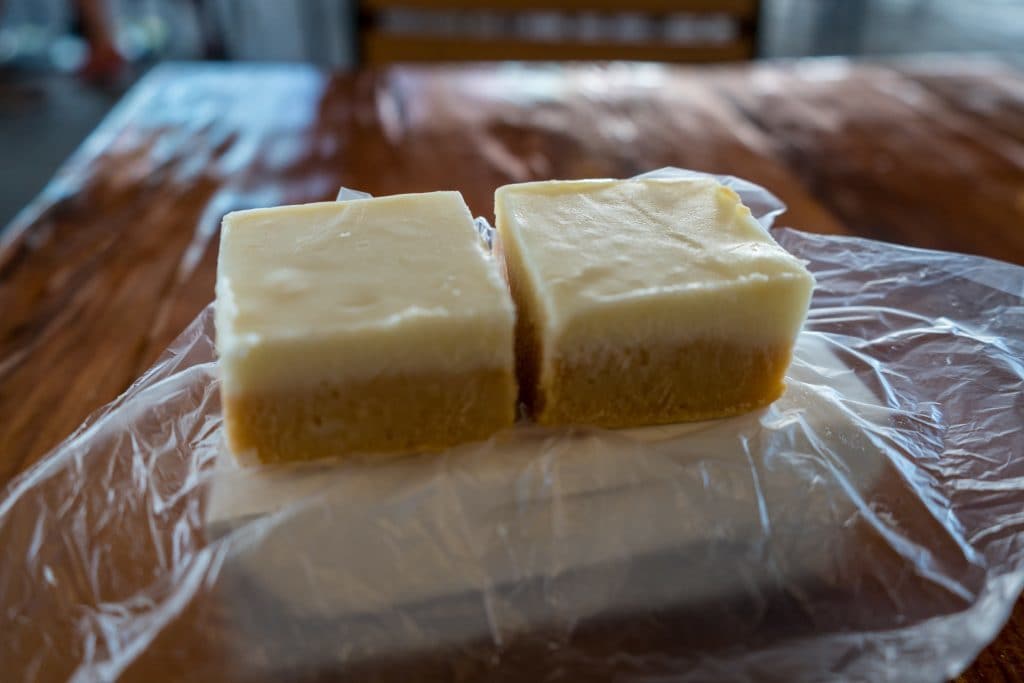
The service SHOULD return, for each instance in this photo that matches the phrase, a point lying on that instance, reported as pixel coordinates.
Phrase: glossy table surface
(118, 254)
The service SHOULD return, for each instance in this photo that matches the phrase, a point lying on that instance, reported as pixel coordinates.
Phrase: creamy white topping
(357, 288)
(632, 261)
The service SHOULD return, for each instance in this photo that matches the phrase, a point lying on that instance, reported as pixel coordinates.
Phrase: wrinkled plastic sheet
(866, 526)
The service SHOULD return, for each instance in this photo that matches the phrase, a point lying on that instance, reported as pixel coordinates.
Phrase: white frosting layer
(636, 261)
(353, 289)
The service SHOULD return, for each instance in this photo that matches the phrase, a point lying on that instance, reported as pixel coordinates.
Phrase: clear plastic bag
(869, 525)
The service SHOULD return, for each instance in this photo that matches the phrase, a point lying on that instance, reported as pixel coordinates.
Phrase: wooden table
(118, 254)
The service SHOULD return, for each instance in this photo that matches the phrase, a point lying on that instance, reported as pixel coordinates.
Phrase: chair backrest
(467, 30)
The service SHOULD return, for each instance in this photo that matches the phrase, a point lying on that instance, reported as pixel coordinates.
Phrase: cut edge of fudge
(409, 382)
(642, 357)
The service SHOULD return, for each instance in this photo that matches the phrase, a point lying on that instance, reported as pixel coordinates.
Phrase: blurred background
(64, 63)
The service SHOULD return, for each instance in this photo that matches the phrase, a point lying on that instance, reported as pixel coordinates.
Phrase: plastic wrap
(869, 525)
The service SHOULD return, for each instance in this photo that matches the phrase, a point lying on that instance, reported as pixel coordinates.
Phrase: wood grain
(380, 47)
(118, 254)
(743, 8)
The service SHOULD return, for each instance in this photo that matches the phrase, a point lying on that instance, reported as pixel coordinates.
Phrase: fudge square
(369, 325)
(646, 301)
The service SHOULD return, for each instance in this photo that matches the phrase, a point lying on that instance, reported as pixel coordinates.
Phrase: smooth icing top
(355, 285)
(594, 245)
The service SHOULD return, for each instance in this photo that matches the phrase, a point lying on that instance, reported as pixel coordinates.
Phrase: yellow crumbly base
(630, 387)
(388, 414)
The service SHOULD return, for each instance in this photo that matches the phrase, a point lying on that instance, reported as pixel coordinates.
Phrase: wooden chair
(434, 30)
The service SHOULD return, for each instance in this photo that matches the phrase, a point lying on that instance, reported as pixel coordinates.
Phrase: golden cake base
(387, 414)
(630, 387)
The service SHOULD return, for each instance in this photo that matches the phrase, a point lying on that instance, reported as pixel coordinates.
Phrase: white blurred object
(68, 53)
(167, 28)
(319, 31)
(29, 28)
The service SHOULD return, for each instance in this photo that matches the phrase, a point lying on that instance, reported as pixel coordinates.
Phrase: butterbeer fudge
(646, 301)
(368, 325)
